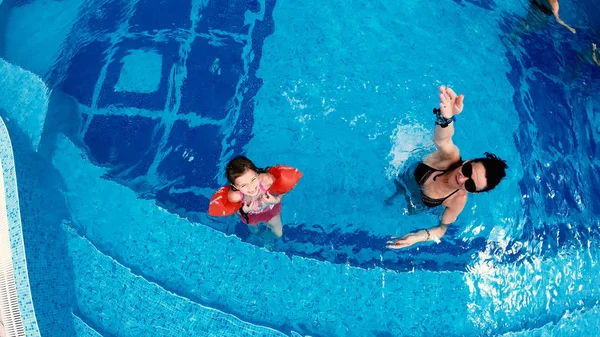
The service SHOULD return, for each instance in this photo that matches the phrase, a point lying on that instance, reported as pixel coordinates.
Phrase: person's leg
(594, 58)
(391, 198)
(411, 207)
(400, 189)
(555, 9)
(276, 226)
(403, 189)
(253, 229)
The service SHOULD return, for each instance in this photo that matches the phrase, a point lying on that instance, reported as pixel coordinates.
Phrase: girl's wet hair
(236, 168)
(495, 170)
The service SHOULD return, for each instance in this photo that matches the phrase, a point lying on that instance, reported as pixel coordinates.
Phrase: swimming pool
(122, 115)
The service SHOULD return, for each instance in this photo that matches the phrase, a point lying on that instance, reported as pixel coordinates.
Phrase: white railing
(16, 305)
(9, 303)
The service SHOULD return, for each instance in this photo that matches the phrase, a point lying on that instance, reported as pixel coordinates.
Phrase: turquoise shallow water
(123, 115)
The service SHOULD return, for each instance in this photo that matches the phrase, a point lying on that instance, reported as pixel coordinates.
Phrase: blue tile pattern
(167, 90)
(139, 270)
(16, 234)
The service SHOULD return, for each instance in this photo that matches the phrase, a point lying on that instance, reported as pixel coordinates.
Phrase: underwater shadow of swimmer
(538, 17)
(407, 186)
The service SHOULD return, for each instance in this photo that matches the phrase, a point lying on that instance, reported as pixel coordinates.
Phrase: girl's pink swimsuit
(263, 213)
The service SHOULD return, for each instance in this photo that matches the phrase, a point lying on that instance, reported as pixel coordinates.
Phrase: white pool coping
(16, 304)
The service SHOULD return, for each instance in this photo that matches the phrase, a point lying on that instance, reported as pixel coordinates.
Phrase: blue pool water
(123, 114)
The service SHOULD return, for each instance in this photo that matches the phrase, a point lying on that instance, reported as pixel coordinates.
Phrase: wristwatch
(440, 120)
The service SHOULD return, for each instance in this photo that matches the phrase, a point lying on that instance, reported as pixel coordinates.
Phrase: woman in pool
(250, 186)
(444, 178)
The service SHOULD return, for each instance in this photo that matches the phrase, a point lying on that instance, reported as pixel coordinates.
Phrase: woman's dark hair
(237, 166)
(494, 170)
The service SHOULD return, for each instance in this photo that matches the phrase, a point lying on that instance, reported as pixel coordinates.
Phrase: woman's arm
(447, 153)
(450, 215)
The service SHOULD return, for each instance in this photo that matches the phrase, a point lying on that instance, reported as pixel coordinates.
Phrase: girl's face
(247, 183)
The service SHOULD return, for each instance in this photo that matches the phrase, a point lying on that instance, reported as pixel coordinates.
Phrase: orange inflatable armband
(220, 204)
(286, 178)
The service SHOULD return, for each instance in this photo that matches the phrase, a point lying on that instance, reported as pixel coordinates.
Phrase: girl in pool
(255, 194)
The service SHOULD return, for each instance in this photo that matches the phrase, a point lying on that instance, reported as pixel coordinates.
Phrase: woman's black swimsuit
(422, 173)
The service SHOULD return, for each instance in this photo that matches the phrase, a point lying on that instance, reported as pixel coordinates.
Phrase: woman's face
(469, 176)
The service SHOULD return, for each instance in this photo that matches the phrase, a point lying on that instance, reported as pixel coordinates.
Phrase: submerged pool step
(27, 107)
(535, 293)
(312, 297)
(572, 324)
(125, 304)
(266, 288)
(82, 329)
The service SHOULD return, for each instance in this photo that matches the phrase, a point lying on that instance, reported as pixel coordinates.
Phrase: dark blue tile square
(157, 15)
(213, 75)
(194, 155)
(226, 16)
(120, 141)
(83, 71)
(107, 17)
(184, 201)
(156, 100)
